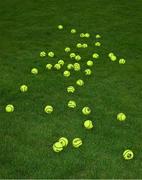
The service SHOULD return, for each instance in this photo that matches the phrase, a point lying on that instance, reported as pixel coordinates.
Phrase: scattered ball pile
(76, 66)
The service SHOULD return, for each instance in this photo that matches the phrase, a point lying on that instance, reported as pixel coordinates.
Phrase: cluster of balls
(63, 142)
(113, 57)
(77, 142)
(88, 124)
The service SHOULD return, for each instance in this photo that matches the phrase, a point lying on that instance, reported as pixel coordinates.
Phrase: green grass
(27, 135)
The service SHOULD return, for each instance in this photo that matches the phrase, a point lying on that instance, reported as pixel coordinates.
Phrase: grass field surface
(27, 134)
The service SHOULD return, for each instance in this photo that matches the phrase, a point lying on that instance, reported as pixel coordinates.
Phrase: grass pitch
(27, 134)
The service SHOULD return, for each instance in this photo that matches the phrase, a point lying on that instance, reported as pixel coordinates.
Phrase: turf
(27, 135)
